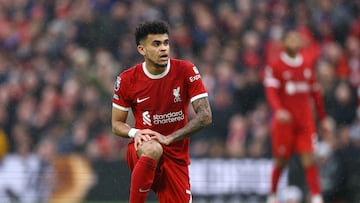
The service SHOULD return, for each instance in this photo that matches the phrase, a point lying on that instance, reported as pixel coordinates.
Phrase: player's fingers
(158, 139)
(155, 138)
(136, 145)
(146, 137)
(161, 139)
(138, 142)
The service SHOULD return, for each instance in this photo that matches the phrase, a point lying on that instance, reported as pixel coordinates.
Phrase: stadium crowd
(59, 59)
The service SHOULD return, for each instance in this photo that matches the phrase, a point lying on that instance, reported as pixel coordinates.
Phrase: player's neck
(155, 69)
(291, 53)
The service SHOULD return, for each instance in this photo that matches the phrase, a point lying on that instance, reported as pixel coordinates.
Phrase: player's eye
(156, 43)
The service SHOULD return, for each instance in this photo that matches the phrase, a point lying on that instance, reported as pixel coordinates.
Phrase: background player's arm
(317, 96)
(272, 85)
(326, 123)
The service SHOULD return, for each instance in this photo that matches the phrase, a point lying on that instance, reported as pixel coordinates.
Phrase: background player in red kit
(292, 91)
(159, 91)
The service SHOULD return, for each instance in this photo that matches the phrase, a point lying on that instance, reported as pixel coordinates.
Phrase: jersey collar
(293, 62)
(152, 76)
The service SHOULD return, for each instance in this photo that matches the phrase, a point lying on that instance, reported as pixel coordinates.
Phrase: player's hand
(142, 136)
(283, 115)
(162, 139)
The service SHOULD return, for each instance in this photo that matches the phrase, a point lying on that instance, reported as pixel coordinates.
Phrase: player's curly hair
(150, 27)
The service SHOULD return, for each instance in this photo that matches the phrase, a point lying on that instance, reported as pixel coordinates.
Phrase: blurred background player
(159, 91)
(292, 91)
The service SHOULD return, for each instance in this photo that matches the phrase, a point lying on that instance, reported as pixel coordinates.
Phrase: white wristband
(132, 132)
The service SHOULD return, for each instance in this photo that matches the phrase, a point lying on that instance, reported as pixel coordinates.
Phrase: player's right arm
(118, 122)
(120, 109)
(122, 129)
(272, 85)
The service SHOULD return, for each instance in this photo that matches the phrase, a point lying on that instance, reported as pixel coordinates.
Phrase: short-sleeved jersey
(160, 102)
(294, 82)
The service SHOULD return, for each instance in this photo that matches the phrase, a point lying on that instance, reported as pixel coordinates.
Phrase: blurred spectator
(345, 104)
(347, 157)
(333, 52)
(331, 20)
(248, 91)
(238, 133)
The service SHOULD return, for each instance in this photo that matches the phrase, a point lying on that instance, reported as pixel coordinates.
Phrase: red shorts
(289, 138)
(171, 183)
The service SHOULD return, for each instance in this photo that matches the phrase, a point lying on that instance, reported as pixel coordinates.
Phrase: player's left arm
(202, 118)
(317, 95)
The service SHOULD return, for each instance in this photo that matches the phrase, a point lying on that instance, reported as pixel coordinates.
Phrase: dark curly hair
(150, 27)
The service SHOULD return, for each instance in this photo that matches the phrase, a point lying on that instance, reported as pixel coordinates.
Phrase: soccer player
(159, 91)
(292, 91)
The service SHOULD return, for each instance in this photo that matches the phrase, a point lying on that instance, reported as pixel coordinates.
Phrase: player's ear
(141, 49)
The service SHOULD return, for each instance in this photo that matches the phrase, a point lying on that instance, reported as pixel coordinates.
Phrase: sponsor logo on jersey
(176, 93)
(143, 190)
(195, 77)
(296, 87)
(159, 119)
(138, 100)
(286, 75)
(168, 117)
(146, 118)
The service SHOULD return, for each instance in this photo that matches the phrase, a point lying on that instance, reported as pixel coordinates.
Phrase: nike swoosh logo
(142, 190)
(141, 100)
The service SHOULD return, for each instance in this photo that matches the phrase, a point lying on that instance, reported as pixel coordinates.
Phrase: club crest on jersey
(307, 73)
(117, 83)
(176, 93)
(286, 75)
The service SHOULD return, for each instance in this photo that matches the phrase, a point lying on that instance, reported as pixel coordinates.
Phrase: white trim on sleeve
(120, 107)
(199, 96)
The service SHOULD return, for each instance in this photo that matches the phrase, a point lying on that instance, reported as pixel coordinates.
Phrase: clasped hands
(146, 135)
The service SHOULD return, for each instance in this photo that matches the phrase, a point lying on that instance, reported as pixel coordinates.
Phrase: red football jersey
(160, 102)
(291, 84)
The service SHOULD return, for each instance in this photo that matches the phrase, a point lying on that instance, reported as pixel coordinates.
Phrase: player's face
(292, 41)
(156, 48)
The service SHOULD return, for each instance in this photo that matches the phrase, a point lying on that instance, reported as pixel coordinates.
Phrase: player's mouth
(164, 57)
